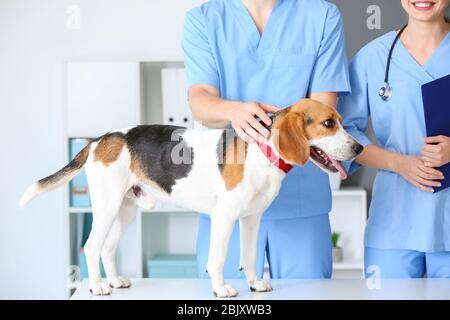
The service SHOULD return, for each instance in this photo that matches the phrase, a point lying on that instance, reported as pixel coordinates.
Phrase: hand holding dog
(436, 151)
(242, 118)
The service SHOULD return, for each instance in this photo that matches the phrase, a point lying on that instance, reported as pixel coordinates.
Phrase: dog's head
(312, 130)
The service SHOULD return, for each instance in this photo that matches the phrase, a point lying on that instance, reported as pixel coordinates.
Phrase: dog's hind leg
(107, 187)
(126, 214)
(249, 227)
(104, 215)
(221, 228)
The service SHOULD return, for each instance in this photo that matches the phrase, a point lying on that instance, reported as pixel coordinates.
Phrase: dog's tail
(58, 178)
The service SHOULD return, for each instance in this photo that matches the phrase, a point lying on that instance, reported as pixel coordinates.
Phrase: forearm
(378, 158)
(410, 168)
(215, 112)
(210, 109)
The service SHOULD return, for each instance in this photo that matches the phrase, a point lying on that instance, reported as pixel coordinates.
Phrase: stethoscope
(385, 91)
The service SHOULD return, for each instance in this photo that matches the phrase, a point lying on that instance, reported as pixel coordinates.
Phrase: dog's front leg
(221, 229)
(249, 227)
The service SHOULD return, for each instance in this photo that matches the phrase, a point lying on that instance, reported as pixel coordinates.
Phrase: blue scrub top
(401, 215)
(301, 50)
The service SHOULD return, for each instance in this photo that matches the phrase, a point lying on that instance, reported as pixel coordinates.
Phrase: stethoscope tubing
(385, 91)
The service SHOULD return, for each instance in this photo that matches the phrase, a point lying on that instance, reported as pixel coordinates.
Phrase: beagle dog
(211, 171)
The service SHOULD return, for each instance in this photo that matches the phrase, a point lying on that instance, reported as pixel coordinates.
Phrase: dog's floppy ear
(290, 138)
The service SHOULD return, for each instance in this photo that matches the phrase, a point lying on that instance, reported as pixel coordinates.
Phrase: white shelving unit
(157, 231)
(348, 218)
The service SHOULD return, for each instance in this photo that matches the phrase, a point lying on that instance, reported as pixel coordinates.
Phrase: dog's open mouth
(327, 163)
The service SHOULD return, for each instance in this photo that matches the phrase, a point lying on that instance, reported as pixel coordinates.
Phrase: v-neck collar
(435, 56)
(426, 66)
(256, 40)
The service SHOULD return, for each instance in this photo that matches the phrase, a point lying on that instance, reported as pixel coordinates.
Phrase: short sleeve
(330, 72)
(354, 107)
(198, 58)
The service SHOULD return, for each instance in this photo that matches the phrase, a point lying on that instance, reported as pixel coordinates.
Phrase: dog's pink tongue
(340, 168)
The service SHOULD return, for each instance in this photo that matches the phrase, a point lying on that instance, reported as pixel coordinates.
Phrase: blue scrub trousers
(393, 263)
(295, 248)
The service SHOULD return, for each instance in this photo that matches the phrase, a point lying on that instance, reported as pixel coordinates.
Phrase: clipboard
(436, 107)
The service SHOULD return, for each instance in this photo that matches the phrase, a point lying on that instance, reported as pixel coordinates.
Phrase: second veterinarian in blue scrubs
(300, 51)
(408, 232)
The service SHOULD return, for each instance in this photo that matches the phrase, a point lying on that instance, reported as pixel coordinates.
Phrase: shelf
(80, 210)
(349, 192)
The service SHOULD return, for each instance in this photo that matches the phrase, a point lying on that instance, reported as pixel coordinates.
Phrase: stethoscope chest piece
(385, 92)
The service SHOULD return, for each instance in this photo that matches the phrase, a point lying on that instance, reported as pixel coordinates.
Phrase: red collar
(274, 159)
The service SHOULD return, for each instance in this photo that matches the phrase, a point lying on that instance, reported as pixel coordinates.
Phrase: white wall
(34, 44)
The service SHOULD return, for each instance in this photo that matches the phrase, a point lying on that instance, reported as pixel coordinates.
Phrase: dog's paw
(99, 288)
(260, 286)
(119, 282)
(225, 291)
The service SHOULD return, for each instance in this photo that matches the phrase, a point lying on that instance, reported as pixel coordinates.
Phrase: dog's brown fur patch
(289, 137)
(82, 156)
(108, 149)
(314, 114)
(233, 165)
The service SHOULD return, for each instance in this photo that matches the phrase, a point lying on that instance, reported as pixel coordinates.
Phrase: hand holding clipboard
(436, 106)
(436, 151)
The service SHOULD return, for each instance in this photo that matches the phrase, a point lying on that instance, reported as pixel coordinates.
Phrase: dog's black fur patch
(152, 145)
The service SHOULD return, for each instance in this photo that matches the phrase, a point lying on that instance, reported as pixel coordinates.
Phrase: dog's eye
(330, 123)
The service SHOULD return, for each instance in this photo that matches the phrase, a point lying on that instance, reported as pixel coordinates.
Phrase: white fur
(31, 192)
(337, 146)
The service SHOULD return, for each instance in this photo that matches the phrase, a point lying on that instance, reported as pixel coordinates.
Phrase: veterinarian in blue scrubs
(241, 64)
(408, 232)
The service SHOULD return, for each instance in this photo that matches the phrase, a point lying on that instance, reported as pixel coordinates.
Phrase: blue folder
(436, 106)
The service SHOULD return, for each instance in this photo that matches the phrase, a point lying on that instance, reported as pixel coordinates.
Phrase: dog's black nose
(357, 148)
